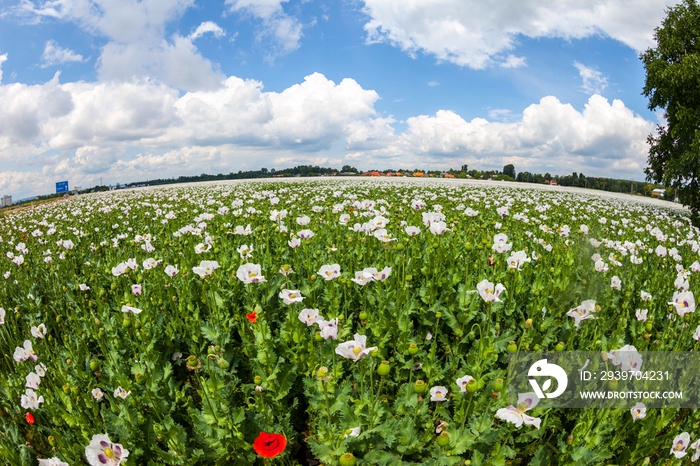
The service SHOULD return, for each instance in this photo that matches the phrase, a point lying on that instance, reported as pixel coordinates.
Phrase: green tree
(509, 170)
(673, 84)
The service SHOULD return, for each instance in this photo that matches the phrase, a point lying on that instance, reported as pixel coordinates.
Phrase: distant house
(448, 175)
(658, 193)
(551, 182)
(418, 174)
(6, 201)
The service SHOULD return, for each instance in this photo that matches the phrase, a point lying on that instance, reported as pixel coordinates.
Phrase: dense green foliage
(673, 85)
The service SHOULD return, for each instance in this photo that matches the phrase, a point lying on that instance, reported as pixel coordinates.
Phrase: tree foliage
(673, 84)
(509, 170)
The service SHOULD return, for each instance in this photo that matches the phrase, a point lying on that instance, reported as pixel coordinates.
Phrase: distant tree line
(507, 174)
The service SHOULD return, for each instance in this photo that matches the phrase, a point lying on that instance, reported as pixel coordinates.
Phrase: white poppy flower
(354, 349)
(516, 414)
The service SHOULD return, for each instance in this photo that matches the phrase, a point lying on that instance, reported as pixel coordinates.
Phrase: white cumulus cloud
(603, 139)
(480, 34)
(137, 45)
(3, 59)
(138, 130)
(286, 29)
(207, 26)
(54, 54)
(593, 81)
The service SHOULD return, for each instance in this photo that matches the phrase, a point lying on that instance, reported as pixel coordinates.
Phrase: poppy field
(344, 322)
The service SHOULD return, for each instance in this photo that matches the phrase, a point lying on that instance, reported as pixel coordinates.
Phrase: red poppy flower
(269, 445)
(252, 317)
(30, 418)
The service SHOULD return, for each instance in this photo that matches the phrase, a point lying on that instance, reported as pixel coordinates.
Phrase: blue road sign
(62, 187)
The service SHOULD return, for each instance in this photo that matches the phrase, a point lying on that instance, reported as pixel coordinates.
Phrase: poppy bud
(210, 349)
(100, 332)
(528, 323)
(383, 368)
(613, 384)
(318, 336)
(420, 387)
(569, 439)
(347, 459)
(52, 440)
(443, 439)
(412, 349)
(93, 365)
(322, 371)
(438, 314)
(649, 326)
(409, 278)
(126, 322)
(224, 364)
(497, 327)
(512, 347)
(30, 418)
(140, 379)
(559, 347)
(536, 347)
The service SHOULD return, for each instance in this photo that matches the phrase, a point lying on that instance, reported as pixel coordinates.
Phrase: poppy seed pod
(498, 385)
(420, 387)
(347, 459)
(412, 349)
(383, 369)
(443, 439)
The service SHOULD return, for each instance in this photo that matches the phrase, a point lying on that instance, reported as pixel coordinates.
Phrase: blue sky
(128, 90)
